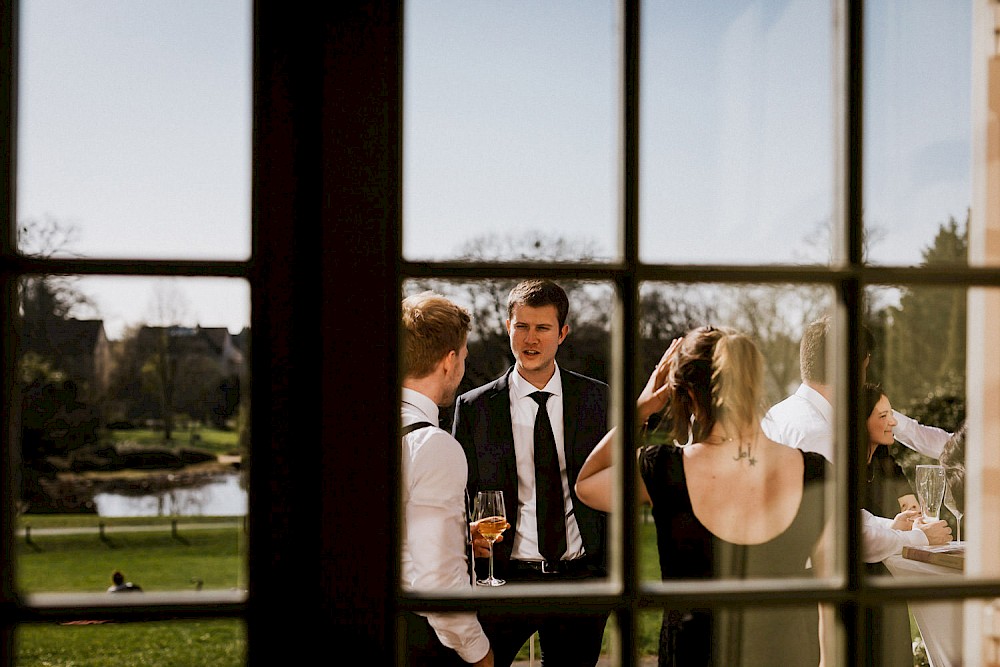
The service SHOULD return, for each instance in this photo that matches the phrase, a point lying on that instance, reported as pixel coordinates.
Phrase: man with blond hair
(435, 472)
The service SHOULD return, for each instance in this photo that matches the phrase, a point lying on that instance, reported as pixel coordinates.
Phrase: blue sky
(135, 129)
(511, 126)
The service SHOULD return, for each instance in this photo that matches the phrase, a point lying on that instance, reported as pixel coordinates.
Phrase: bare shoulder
(788, 460)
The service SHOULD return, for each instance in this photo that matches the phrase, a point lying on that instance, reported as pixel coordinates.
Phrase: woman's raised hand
(657, 391)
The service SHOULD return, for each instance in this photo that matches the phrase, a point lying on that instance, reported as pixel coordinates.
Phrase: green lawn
(158, 561)
(209, 439)
(220, 643)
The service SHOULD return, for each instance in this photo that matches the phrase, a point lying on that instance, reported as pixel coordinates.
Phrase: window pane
(139, 417)
(510, 131)
(134, 126)
(755, 635)
(736, 162)
(498, 449)
(94, 644)
(693, 491)
(918, 399)
(918, 126)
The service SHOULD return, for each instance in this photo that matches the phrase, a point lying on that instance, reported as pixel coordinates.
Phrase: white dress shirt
(805, 420)
(523, 410)
(928, 440)
(436, 533)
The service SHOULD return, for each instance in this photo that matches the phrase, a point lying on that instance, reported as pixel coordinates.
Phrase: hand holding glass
(931, 485)
(492, 517)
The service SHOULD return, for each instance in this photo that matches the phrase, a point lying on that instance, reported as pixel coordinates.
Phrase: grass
(155, 560)
(159, 562)
(220, 643)
(212, 440)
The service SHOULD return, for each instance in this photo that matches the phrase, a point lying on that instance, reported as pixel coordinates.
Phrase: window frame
(327, 201)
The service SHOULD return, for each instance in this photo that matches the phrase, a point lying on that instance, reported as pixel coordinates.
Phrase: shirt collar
(817, 400)
(421, 403)
(521, 388)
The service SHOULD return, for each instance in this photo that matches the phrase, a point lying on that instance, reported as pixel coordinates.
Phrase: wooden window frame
(325, 273)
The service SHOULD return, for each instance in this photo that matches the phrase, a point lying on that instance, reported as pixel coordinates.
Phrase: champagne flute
(949, 502)
(492, 517)
(931, 485)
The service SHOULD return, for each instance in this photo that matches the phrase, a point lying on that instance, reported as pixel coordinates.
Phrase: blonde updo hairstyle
(717, 376)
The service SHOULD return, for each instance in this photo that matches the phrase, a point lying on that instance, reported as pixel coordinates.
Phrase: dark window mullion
(628, 286)
(8, 291)
(859, 643)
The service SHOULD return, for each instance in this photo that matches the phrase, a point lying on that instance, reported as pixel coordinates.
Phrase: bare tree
(775, 316)
(168, 309)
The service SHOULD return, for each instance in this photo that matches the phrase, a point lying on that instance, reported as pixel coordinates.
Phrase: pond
(220, 495)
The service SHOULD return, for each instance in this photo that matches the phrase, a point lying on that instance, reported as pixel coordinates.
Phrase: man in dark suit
(553, 537)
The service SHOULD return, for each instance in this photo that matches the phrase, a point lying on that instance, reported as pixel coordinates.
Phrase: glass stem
(491, 561)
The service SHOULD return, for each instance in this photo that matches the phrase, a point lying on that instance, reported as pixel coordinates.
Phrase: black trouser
(423, 648)
(568, 639)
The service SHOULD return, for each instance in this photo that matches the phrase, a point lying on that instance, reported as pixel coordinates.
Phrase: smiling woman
(888, 491)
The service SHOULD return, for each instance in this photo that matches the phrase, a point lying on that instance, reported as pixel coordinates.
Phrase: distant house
(212, 342)
(206, 370)
(78, 348)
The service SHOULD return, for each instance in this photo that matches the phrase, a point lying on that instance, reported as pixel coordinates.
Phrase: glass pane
(737, 143)
(138, 417)
(134, 126)
(510, 131)
(732, 637)
(918, 127)
(914, 416)
(499, 430)
(894, 637)
(96, 643)
(916, 402)
(684, 484)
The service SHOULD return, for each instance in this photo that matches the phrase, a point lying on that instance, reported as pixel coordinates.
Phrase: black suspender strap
(407, 430)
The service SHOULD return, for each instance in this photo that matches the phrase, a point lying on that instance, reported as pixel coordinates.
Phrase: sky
(134, 132)
(510, 127)
(135, 120)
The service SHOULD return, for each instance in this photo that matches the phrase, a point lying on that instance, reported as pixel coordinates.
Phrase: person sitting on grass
(119, 585)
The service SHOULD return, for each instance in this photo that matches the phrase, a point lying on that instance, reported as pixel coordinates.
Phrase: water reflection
(221, 496)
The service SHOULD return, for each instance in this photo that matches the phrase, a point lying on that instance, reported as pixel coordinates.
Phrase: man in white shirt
(805, 420)
(435, 472)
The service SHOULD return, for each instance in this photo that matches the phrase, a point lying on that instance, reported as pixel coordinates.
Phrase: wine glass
(931, 485)
(949, 502)
(492, 517)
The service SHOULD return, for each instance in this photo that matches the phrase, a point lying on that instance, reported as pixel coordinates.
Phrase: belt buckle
(547, 569)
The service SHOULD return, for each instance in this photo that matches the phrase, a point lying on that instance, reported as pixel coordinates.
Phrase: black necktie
(549, 507)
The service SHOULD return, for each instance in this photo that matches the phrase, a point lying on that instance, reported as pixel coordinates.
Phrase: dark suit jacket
(482, 425)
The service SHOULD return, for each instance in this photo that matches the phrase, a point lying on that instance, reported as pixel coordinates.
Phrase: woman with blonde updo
(730, 503)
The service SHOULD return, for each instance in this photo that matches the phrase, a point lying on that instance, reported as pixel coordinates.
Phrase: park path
(140, 528)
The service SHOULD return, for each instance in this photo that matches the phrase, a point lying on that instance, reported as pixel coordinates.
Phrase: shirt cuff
(476, 650)
(915, 538)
